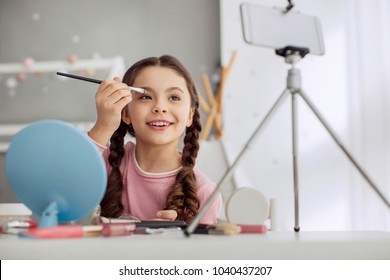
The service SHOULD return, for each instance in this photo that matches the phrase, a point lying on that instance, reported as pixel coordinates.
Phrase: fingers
(169, 215)
(113, 88)
(112, 96)
(113, 92)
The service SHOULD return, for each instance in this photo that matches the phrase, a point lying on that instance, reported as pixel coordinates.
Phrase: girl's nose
(159, 107)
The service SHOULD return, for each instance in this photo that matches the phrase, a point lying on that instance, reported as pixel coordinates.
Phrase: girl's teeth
(159, 123)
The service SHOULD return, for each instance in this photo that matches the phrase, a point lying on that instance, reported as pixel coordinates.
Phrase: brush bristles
(228, 229)
(92, 230)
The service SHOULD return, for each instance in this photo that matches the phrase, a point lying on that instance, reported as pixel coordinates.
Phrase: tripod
(292, 55)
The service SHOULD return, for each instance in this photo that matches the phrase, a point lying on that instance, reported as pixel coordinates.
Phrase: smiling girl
(151, 178)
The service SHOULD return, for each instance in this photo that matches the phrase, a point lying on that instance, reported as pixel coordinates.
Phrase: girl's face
(160, 116)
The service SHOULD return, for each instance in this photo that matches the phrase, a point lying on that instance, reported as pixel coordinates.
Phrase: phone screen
(273, 28)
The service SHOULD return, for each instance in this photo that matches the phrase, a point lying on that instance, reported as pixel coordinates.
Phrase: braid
(183, 196)
(111, 205)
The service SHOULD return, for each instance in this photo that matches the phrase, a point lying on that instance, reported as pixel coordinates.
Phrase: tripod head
(292, 54)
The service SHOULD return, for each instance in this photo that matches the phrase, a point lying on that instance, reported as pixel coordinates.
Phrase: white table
(272, 245)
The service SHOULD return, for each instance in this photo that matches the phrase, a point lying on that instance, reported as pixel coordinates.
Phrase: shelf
(53, 66)
(10, 130)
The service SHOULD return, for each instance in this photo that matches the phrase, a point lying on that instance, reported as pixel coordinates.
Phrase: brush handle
(140, 90)
(118, 229)
(227, 229)
(211, 231)
(79, 78)
(66, 231)
(62, 231)
(253, 228)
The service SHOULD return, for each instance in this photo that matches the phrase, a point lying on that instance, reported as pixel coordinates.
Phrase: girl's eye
(175, 98)
(144, 97)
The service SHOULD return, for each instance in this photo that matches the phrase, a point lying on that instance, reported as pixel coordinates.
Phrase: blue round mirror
(56, 171)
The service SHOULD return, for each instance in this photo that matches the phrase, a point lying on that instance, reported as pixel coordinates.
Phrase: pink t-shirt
(144, 193)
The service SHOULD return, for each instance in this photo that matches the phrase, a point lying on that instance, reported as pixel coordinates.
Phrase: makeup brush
(77, 231)
(140, 90)
(63, 231)
(230, 229)
(246, 228)
(118, 229)
(219, 229)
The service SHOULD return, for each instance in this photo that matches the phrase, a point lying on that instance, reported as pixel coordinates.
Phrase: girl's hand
(111, 97)
(166, 215)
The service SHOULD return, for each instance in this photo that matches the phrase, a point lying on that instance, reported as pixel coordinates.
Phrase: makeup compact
(247, 206)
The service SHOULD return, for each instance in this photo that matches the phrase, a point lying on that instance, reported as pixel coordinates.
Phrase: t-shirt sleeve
(100, 147)
(104, 151)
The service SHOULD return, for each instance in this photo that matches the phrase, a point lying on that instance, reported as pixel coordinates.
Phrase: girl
(150, 178)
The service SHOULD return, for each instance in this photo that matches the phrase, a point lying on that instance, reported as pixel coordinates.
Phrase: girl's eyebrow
(149, 89)
(174, 88)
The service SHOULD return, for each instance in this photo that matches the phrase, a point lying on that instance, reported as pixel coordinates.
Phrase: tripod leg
(295, 159)
(338, 142)
(229, 172)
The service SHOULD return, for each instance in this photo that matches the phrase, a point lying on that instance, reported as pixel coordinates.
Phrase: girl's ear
(126, 116)
(190, 117)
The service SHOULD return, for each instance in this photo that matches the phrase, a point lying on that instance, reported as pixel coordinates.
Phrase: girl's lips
(159, 124)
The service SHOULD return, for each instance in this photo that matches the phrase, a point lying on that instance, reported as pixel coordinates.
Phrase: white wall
(328, 186)
(369, 69)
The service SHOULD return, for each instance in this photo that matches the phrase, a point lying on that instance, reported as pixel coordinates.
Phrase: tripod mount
(292, 55)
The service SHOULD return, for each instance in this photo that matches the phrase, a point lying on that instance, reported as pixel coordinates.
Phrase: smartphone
(161, 224)
(274, 28)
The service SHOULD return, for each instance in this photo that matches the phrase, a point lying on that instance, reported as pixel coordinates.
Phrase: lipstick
(14, 226)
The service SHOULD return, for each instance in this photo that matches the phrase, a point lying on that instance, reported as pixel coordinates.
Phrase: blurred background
(349, 85)
(98, 39)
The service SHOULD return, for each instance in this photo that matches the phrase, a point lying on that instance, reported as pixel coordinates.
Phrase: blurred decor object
(213, 108)
(28, 62)
(14, 211)
(73, 58)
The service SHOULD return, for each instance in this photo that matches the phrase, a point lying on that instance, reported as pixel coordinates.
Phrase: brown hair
(183, 196)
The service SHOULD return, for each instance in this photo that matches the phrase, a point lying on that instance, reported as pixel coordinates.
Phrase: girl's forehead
(157, 74)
